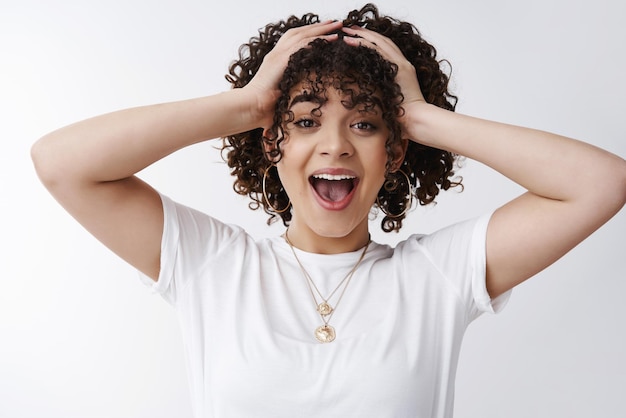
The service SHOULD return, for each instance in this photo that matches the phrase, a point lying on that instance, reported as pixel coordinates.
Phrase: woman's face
(332, 168)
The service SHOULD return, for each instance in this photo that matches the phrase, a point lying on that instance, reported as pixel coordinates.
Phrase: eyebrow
(308, 97)
(305, 97)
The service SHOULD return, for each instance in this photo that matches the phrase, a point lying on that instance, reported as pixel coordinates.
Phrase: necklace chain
(326, 333)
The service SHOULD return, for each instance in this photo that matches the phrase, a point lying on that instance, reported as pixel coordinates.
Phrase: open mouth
(333, 187)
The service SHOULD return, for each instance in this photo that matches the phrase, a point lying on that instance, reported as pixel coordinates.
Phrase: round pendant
(324, 308)
(325, 334)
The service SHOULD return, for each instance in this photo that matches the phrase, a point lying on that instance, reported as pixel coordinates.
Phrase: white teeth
(333, 176)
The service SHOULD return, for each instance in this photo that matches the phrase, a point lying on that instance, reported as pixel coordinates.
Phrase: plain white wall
(81, 337)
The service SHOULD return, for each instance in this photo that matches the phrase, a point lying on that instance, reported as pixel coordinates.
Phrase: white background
(81, 337)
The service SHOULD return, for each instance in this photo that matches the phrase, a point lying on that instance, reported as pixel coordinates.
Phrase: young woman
(326, 121)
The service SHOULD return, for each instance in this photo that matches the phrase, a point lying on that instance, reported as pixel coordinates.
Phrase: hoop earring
(267, 201)
(388, 185)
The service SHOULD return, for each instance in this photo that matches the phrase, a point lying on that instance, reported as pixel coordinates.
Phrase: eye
(305, 123)
(364, 126)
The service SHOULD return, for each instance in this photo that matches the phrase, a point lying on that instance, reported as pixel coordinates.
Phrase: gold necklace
(326, 333)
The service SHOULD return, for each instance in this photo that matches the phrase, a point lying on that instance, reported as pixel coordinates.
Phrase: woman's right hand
(264, 85)
(90, 166)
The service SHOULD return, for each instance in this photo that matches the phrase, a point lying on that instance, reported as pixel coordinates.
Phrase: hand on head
(406, 77)
(265, 82)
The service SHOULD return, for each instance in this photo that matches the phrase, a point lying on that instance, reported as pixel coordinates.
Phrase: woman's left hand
(528, 233)
(406, 77)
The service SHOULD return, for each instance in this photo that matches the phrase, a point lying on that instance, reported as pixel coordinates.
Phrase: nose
(335, 142)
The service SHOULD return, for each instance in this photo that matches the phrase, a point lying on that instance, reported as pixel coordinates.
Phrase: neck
(308, 240)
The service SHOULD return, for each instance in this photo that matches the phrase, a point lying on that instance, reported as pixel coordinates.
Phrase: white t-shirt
(248, 320)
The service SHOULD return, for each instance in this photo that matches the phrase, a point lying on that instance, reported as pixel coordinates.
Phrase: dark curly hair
(358, 72)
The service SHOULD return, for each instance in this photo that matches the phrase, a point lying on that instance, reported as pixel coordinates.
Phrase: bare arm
(573, 187)
(90, 166)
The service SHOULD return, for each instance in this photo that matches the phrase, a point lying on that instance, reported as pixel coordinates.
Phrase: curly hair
(357, 72)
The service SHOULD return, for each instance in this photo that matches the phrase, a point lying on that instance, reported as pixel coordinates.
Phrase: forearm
(119, 144)
(546, 164)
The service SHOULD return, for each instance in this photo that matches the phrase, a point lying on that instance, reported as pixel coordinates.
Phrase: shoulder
(184, 223)
(460, 238)
(455, 255)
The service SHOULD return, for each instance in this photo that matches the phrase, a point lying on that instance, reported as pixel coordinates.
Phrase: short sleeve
(459, 252)
(190, 240)
(169, 245)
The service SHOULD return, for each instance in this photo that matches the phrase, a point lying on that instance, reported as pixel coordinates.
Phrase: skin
(527, 234)
(340, 141)
(90, 168)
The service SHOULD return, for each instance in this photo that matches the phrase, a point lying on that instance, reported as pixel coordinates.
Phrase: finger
(406, 76)
(315, 30)
(366, 37)
(381, 44)
(297, 38)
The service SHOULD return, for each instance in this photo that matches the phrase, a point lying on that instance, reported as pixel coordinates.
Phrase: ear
(399, 151)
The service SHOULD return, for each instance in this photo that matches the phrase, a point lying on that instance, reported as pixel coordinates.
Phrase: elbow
(43, 158)
(615, 196)
(605, 190)
(38, 157)
(622, 183)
